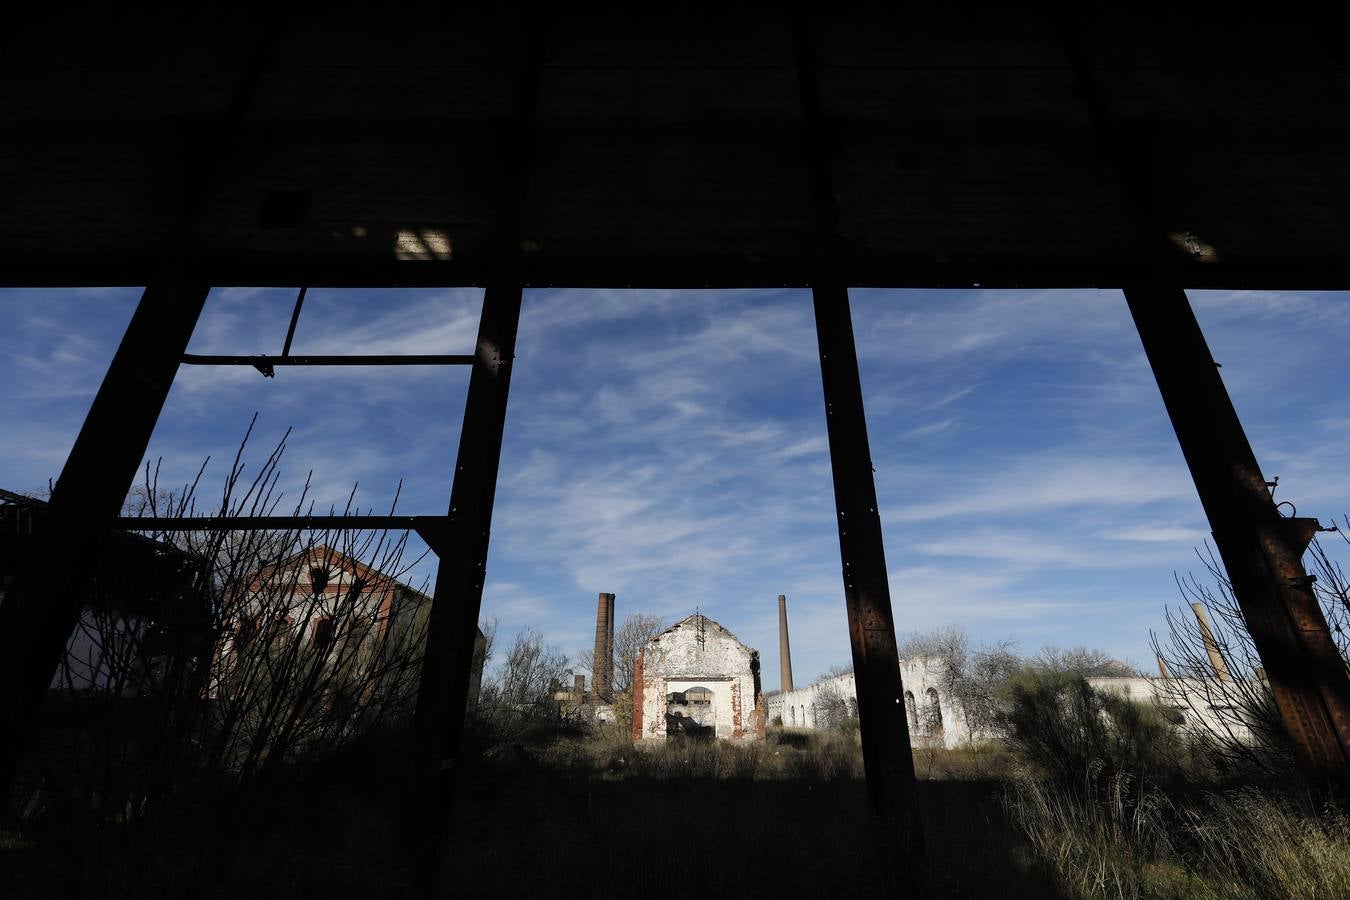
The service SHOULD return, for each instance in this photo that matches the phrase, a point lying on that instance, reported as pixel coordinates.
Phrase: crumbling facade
(696, 678)
(332, 604)
(935, 719)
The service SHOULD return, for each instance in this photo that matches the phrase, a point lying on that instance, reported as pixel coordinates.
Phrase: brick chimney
(784, 651)
(603, 675)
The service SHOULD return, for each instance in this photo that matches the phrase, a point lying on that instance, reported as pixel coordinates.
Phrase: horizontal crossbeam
(1311, 272)
(462, 359)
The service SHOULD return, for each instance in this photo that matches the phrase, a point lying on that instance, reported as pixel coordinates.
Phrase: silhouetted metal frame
(42, 606)
(449, 359)
(1261, 550)
(442, 698)
(462, 546)
(887, 758)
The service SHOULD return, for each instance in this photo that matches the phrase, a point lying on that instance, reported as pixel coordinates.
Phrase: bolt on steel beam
(1261, 550)
(888, 761)
(442, 696)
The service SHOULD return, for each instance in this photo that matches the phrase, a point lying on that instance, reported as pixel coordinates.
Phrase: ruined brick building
(327, 602)
(696, 677)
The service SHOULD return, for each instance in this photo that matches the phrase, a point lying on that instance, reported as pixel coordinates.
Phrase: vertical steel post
(887, 758)
(463, 548)
(876, 663)
(1262, 551)
(43, 605)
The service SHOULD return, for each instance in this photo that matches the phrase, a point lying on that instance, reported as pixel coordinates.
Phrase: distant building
(696, 678)
(579, 704)
(1193, 703)
(934, 718)
(323, 601)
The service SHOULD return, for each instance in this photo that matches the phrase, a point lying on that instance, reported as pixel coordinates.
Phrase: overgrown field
(590, 816)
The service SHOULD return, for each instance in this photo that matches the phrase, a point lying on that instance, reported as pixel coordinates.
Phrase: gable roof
(327, 555)
(690, 619)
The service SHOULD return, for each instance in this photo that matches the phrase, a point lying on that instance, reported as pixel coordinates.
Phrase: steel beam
(42, 607)
(888, 760)
(457, 359)
(1262, 551)
(861, 267)
(463, 548)
(876, 662)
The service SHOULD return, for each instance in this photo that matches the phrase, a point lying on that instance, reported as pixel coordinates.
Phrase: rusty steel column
(42, 606)
(885, 733)
(1261, 550)
(784, 648)
(452, 629)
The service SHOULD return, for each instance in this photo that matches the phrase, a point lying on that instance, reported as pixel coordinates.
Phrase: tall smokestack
(1211, 646)
(603, 668)
(784, 651)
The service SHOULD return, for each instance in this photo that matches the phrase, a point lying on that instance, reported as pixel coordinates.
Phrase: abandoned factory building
(697, 678)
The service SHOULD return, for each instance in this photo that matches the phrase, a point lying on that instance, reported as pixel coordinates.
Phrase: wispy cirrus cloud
(670, 446)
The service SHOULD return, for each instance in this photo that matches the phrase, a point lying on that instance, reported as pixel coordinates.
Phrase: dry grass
(595, 817)
(1127, 839)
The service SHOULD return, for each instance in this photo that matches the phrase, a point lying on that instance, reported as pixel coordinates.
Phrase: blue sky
(670, 446)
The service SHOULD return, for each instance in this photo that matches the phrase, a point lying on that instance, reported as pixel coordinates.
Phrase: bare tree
(520, 695)
(1083, 661)
(629, 640)
(829, 703)
(971, 676)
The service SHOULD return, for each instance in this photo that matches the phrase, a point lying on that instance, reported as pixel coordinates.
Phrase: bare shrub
(1241, 730)
(236, 662)
(517, 700)
(1061, 726)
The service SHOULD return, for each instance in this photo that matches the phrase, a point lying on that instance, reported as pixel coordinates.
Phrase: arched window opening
(792, 715)
(934, 712)
(323, 633)
(911, 711)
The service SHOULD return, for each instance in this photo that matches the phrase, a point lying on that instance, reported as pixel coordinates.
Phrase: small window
(318, 578)
(934, 712)
(323, 633)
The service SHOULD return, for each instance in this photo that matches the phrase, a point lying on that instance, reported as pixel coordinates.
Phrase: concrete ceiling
(671, 148)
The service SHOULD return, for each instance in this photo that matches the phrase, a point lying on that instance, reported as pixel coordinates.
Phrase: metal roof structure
(671, 146)
(717, 145)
